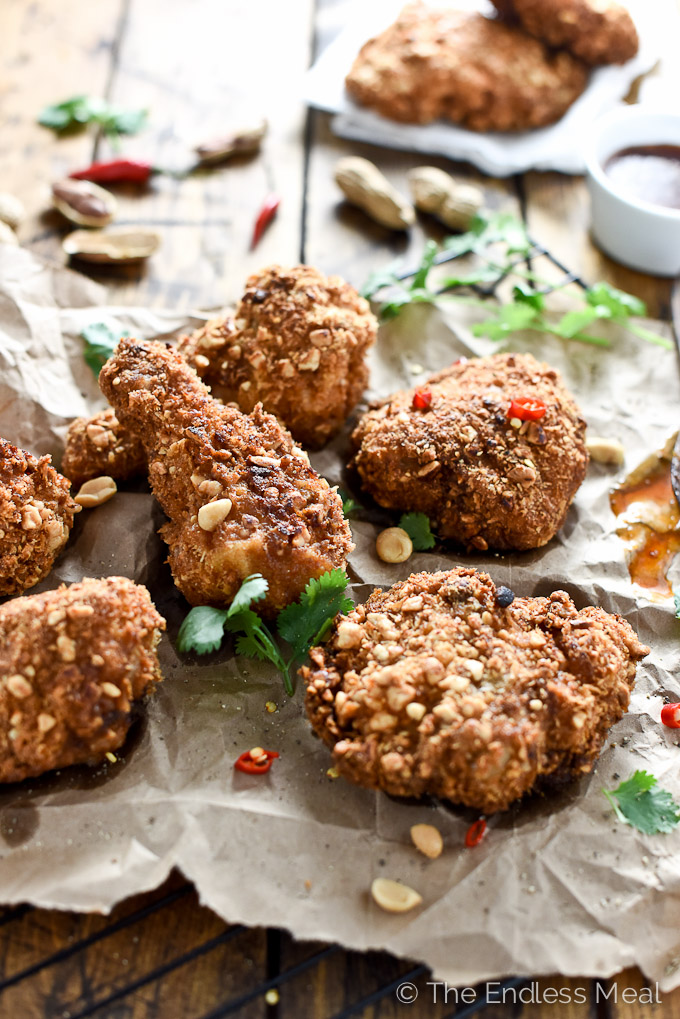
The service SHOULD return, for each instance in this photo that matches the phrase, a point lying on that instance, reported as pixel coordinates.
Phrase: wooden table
(198, 66)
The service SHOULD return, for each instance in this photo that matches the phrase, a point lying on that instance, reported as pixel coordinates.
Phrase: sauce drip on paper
(650, 522)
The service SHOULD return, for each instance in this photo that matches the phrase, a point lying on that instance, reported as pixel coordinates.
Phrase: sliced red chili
(527, 408)
(264, 217)
(475, 833)
(670, 715)
(256, 761)
(422, 399)
(116, 171)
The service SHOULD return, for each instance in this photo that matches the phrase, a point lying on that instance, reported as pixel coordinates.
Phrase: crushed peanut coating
(596, 31)
(433, 688)
(484, 479)
(296, 344)
(475, 71)
(97, 446)
(241, 497)
(36, 517)
(73, 662)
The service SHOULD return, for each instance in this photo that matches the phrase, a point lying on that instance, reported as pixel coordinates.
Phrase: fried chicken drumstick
(73, 663)
(438, 686)
(36, 517)
(241, 497)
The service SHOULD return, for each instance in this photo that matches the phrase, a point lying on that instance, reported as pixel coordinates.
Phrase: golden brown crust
(296, 344)
(596, 31)
(97, 446)
(73, 662)
(482, 482)
(432, 688)
(475, 71)
(36, 517)
(283, 520)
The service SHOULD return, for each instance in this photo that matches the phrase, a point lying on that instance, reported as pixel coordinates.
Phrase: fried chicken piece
(36, 517)
(485, 479)
(296, 344)
(433, 688)
(74, 661)
(475, 71)
(596, 31)
(240, 495)
(97, 446)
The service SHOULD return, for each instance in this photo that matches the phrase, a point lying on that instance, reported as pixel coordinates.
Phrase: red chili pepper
(422, 399)
(670, 715)
(526, 408)
(256, 761)
(264, 218)
(116, 171)
(475, 833)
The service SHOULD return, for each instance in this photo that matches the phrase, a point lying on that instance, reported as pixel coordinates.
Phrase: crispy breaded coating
(485, 479)
(97, 446)
(240, 495)
(596, 31)
(475, 71)
(36, 517)
(73, 663)
(432, 688)
(296, 344)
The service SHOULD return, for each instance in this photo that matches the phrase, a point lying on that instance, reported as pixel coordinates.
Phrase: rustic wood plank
(200, 68)
(630, 996)
(50, 53)
(115, 963)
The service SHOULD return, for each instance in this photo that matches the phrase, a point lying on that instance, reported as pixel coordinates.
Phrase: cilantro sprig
(301, 625)
(417, 526)
(80, 111)
(100, 342)
(502, 248)
(639, 802)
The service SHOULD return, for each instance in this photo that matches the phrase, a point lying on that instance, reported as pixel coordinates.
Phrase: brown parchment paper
(557, 886)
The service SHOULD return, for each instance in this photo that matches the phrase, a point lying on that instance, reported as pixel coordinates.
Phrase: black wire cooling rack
(118, 998)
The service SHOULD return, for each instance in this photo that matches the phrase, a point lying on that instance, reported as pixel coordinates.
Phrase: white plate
(550, 148)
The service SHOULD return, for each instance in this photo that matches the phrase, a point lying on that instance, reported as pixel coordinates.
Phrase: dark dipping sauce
(650, 173)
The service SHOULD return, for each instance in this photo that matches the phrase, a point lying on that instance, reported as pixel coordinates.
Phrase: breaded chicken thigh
(484, 478)
(596, 31)
(73, 661)
(461, 66)
(241, 497)
(36, 517)
(296, 343)
(444, 685)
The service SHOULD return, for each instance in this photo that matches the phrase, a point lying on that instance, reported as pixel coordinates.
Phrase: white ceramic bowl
(638, 234)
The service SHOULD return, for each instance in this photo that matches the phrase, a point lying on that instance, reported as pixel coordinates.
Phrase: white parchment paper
(557, 147)
(558, 885)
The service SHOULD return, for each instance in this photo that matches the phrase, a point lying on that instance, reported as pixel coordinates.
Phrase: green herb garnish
(100, 343)
(677, 605)
(501, 244)
(417, 526)
(302, 624)
(81, 111)
(639, 802)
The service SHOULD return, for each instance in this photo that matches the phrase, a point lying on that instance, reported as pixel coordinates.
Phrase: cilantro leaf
(305, 622)
(79, 111)
(677, 605)
(417, 526)
(202, 630)
(614, 304)
(527, 295)
(639, 802)
(379, 279)
(349, 505)
(500, 227)
(509, 318)
(426, 263)
(575, 321)
(253, 588)
(100, 343)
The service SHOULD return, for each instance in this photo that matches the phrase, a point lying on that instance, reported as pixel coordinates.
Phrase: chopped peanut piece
(394, 897)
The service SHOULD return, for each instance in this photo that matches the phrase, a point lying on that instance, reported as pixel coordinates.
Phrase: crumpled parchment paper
(558, 885)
